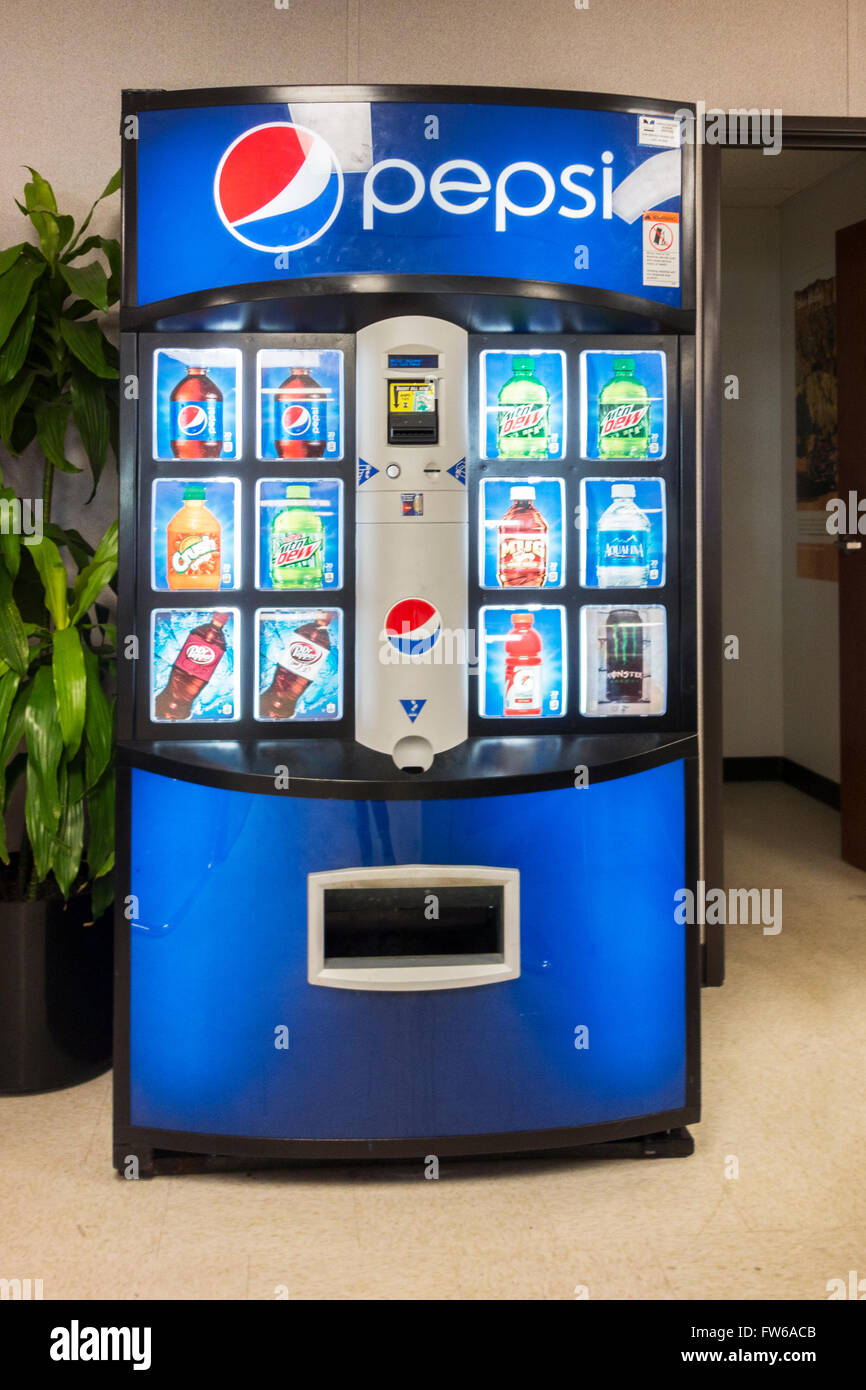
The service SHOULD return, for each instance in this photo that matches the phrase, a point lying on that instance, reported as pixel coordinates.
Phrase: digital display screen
(411, 397)
(416, 363)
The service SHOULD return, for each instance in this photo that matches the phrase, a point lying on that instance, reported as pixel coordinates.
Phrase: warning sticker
(661, 249)
(659, 130)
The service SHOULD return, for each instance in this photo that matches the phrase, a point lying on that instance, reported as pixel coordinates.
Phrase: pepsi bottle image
(196, 406)
(300, 417)
(624, 651)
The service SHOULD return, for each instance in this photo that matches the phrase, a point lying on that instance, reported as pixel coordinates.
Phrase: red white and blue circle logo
(278, 187)
(412, 626)
(192, 420)
(296, 419)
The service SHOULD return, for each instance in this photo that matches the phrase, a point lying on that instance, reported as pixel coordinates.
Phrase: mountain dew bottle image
(623, 414)
(623, 540)
(523, 426)
(297, 542)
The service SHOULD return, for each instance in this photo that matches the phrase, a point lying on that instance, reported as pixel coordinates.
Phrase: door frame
(798, 133)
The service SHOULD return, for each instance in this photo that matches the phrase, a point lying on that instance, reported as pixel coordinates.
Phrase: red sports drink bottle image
(522, 551)
(196, 409)
(522, 668)
(297, 667)
(194, 665)
(300, 417)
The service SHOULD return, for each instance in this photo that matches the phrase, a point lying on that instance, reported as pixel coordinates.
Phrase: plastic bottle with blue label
(622, 539)
(301, 417)
(196, 416)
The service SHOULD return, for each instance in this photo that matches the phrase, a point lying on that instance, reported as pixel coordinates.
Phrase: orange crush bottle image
(193, 544)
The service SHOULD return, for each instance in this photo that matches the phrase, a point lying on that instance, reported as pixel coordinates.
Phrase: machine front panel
(592, 1030)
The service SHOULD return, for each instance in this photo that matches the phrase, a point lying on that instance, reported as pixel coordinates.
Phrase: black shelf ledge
(343, 770)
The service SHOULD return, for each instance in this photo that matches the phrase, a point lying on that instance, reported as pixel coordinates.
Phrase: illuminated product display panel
(551, 413)
(264, 546)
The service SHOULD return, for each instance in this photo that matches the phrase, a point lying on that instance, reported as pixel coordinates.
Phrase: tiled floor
(783, 1078)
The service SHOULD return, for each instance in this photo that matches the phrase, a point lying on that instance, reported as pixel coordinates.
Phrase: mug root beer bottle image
(624, 651)
(522, 668)
(522, 550)
(194, 665)
(300, 417)
(196, 406)
(298, 665)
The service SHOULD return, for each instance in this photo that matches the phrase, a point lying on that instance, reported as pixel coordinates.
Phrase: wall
(752, 483)
(811, 630)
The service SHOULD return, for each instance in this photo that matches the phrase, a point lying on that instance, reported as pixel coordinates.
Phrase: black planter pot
(55, 995)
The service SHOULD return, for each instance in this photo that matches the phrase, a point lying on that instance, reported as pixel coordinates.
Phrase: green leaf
(111, 187)
(52, 572)
(15, 348)
(69, 845)
(42, 806)
(41, 208)
(95, 576)
(98, 721)
(10, 256)
(91, 416)
(8, 690)
(102, 892)
(88, 281)
(88, 343)
(15, 288)
(52, 418)
(12, 397)
(100, 822)
(80, 549)
(14, 725)
(10, 530)
(70, 686)
(39, 193)
(14, 648)
(66, 226)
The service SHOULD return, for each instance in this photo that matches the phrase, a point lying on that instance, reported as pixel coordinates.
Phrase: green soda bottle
(623, 414)
(297, 542)
(523, 428)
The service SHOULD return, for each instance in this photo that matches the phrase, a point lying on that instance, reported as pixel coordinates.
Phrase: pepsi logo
(192, 420)
(296, 419)
(278, 187)
(412, 626)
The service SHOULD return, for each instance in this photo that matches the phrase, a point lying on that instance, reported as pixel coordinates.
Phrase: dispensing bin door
(413, 927)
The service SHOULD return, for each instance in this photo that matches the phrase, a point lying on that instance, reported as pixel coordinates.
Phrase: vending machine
(408, 729)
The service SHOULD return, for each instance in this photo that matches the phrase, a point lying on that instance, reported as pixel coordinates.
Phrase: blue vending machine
(408, 736)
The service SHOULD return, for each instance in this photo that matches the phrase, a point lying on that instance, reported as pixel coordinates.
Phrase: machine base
(159, 1162)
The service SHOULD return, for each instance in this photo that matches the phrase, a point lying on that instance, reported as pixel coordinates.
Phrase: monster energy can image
(624, 656)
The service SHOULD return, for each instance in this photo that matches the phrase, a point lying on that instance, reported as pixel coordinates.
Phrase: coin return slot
(413, 927)
(400, 926)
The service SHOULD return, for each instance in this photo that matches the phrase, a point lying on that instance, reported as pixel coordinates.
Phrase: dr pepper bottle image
(193, 667)
(303, 653)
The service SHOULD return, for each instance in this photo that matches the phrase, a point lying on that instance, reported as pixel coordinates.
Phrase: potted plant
(57, 658)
